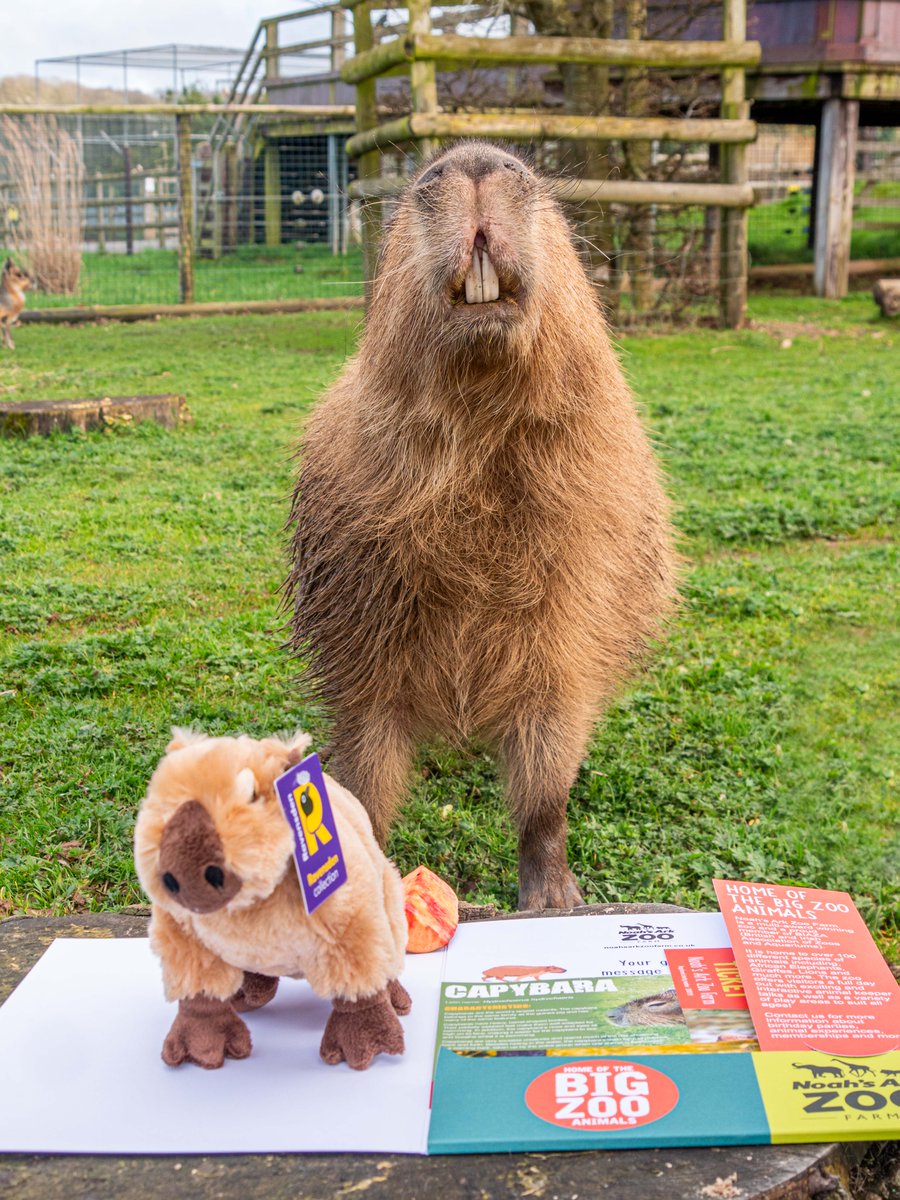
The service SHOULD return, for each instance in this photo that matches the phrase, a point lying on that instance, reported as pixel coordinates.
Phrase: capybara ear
(183, 736)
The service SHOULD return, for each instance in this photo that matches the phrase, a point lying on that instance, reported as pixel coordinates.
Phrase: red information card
(706, 979)
(813, 975)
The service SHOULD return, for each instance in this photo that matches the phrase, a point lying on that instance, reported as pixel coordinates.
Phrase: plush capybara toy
(214, 852)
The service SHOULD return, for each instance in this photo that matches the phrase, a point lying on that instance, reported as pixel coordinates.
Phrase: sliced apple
(432, 911)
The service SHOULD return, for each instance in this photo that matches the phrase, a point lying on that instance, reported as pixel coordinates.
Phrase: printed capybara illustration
(506, 973)
(660, 1009)
(480, 542)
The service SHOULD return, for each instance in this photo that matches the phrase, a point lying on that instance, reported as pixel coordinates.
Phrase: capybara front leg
(371, 757)
(205, 1032)
(541, 756)
(357, 1030)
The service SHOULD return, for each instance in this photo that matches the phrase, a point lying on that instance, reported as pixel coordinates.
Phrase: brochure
(526, 1034)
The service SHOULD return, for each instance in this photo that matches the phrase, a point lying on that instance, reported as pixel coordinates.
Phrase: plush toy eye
(171, 883)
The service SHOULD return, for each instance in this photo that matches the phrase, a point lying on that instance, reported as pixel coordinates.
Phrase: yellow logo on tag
(309, 806)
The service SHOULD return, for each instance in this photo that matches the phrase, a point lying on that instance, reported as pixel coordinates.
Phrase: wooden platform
(842, 1172)
(26, 418)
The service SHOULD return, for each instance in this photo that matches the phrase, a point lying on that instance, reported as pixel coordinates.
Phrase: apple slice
(432, 911)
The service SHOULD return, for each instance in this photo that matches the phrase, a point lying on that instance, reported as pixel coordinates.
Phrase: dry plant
(47, 171)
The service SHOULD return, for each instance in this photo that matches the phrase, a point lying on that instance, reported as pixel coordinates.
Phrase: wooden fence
(422, 53)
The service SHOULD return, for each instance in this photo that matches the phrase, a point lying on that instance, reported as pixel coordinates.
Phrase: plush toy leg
(357, 1030)
(205, 1032)
(254, 992)
(400, 997)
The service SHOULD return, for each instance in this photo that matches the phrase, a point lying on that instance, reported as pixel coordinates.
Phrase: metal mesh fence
(782, 223)
(106, 188)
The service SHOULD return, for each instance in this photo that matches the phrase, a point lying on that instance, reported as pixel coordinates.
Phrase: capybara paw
(357, 1030)
(556, 889)
(254, 992)
(400, 998)
(206, 1032)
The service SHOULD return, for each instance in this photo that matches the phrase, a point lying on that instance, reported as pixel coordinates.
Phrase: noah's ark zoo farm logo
(646, 933)
(814, 1094)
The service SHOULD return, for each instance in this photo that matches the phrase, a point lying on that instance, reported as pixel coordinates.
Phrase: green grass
(777, 232)
(251, 273)
(141, 570)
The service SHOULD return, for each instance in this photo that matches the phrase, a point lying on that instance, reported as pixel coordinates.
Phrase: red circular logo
(602, 1093)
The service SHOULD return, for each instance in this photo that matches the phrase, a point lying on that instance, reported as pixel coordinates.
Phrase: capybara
(480, 541)
(660, 1009)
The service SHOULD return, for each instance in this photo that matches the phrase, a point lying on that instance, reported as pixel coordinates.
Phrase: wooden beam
(422, 74)
(84, 314)
(518, 126)
(185, 211)
(451, 49)
(312, 111)
(834, 196)
(272, 193)
(733, 157)
(603, 191)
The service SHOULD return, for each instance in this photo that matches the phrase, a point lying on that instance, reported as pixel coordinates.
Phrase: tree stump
(28, 417)
(887, 296)
(842, 1172)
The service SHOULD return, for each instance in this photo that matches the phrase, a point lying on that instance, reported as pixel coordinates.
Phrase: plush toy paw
(205, 1032)
(357, 1030)
(254, 992)
(400, 998)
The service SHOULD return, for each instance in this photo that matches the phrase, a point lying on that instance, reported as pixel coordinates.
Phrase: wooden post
(422, 75)
(834, 196)
(185, 212)
(271, 50)
(338, 49)
(129, 207)
(369, 165)
(639, 239)
(230, 175)
(733, 238)
(101, 219)
(218, 203)
(272, 193)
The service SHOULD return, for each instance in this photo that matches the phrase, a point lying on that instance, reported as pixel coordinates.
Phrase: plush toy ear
(297, 746)
(246, 785)
(183, 736)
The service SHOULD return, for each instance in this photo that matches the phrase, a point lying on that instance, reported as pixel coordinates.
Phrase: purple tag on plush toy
(317, 851)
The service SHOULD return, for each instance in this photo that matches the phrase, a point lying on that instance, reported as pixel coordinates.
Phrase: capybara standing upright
(480, 540)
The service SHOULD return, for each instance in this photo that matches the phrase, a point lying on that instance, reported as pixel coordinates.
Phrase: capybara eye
(431, 175)
(214, 876)
(171, 884)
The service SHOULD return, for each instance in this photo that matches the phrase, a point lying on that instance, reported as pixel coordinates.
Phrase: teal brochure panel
(557, 1103)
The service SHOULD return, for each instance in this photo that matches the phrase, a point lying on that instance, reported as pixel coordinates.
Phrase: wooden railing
(421, 52)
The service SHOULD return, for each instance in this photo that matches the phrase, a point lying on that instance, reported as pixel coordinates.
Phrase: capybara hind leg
(541, 757)
(254, 992)
(371, 757)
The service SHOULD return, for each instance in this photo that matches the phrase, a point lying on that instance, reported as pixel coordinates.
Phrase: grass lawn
(141, 570)
(251, 273)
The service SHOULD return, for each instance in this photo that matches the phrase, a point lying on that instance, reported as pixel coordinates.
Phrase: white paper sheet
(591, 945)
(80, 1042)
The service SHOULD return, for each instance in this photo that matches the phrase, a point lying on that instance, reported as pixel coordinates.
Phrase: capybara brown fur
(480, 540)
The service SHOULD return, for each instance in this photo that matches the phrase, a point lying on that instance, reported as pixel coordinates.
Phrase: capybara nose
(171, 884)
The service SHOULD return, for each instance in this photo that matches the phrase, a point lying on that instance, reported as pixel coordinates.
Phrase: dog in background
(14, 283)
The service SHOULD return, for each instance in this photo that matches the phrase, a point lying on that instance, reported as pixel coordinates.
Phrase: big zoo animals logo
(601, 1094)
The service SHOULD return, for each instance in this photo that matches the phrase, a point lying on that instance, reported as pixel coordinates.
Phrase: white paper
(588, 946)
(80, 1042)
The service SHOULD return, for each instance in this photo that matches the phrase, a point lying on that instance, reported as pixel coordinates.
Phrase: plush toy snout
(192, 861)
